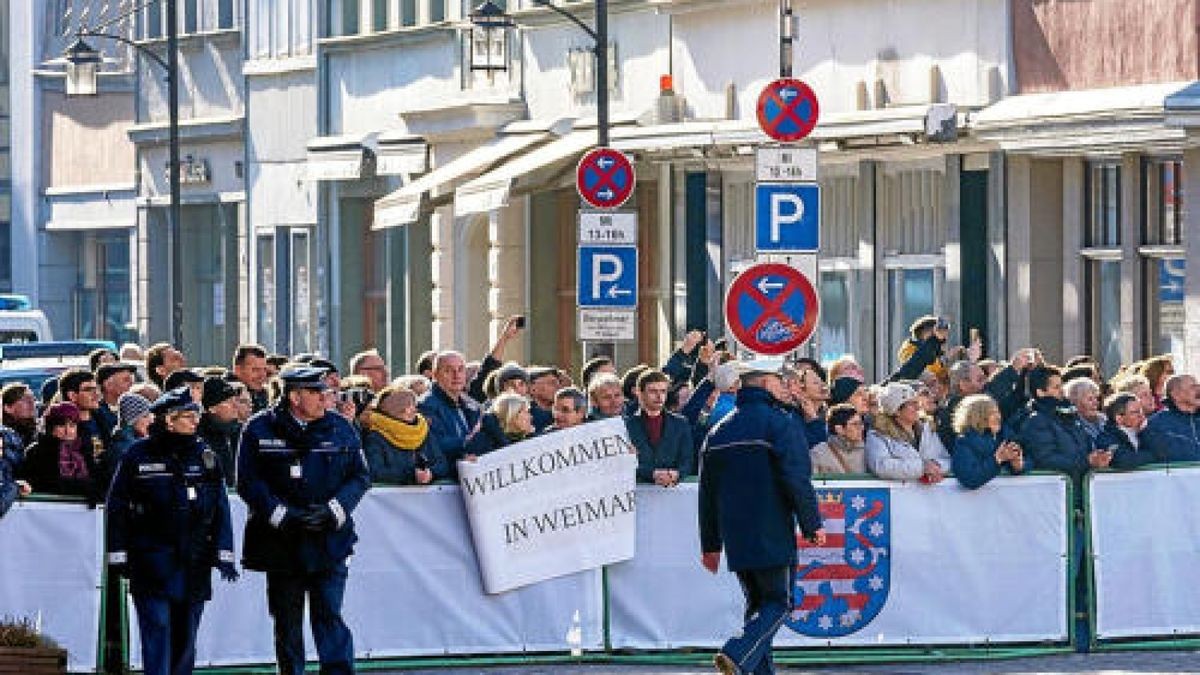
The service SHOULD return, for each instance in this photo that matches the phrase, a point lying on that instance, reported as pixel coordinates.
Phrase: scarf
(71, 463)
(399, 434)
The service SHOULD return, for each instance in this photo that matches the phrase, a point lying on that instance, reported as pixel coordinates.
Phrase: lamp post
(489, 17)
(82, 71)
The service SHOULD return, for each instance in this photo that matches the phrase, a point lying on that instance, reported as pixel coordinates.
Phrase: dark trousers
(168, 631)
(285, 599)
(768, 600)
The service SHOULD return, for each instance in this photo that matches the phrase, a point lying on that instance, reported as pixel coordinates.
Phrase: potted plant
(24, 650)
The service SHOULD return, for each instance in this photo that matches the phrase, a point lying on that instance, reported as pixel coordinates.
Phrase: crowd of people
(945, 411)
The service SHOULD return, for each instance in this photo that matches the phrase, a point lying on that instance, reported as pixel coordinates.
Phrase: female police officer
(168, 526)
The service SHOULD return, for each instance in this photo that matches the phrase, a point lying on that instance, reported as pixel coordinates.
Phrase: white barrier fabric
(959, 567)
(1144, 534)
(414, 590)
(51, 568)
(555, 504)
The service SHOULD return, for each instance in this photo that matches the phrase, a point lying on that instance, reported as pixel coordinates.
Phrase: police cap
(175, 400)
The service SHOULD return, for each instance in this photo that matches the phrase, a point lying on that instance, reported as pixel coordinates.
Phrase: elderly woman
(397, 444)
(902, 444)
(1084, 394)
(509, 421)
(845, 450)
(57, 463)
(980, 451)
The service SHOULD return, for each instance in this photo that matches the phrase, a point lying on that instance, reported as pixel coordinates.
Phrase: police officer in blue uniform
(301, 471)
(168, 527)
(754, 490)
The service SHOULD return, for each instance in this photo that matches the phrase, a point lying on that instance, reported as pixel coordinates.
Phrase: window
(437, 11)
(154, 21)
(1103, 215)
(408, 12)
(225, 14)
(1163, 266)
(1103, 281)
(1164, 305)
(345, 17)
(191, 18)
(1165, 215)
(266, 290)
(834, 334)
(379, 17)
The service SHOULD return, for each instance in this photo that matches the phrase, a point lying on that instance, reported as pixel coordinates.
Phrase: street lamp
(488, 19)
(83, 64)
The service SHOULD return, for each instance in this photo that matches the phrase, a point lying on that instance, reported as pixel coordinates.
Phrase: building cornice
(204, 129)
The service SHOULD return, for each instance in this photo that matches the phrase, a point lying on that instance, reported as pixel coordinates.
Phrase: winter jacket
(974, 459)
(1004, 390)
(222, 437)
(489, 437)
(450, 422)
(916, 357)
(1172, 435)
(1126, 455)
(398, 466)
(42, 468)
(285, 467)
(837, 456)
(168, 517)
(10, 458)
(755, 487)
(891, 458)
(673, 451)
(1053, 437)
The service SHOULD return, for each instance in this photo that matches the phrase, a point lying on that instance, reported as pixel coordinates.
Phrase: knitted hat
(60, 413)
(130, 407)
(843, 388)
(895, 395)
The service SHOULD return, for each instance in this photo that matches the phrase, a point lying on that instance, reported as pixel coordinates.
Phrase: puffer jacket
(1172, 435)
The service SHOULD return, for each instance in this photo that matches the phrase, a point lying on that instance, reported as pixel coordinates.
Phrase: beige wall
(1090, 44)
(86, 140)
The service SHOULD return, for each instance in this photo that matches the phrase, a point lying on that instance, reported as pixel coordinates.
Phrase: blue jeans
(168, 634)
(285, 599)
(768, 600)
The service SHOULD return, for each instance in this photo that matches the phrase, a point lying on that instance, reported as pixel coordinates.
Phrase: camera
(520, 322)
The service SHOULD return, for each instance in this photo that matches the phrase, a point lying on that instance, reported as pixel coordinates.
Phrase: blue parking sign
(608, 276)
(787, 218)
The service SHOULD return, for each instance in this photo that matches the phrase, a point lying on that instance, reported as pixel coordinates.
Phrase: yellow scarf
(400, 435)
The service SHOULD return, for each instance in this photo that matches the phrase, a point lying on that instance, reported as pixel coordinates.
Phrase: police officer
(168, 527)
(301, 472)
(754, 490)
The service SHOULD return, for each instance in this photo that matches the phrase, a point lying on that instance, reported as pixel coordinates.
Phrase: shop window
(1164, 202)
(1103, 215)
(1104, 312)
(914, 290)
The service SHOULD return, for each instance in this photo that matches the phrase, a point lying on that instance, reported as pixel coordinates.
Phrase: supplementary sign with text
(553, 505)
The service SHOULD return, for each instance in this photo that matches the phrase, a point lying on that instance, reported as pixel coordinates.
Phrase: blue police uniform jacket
(755, 485)
(284, 464)
(168, 517)
(1172, 435)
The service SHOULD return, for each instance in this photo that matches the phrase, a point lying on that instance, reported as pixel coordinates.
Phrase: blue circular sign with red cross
(772, 309)
(604, 178)
(787, 110)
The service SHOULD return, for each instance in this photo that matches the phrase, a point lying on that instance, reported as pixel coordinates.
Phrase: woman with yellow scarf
(397, 443)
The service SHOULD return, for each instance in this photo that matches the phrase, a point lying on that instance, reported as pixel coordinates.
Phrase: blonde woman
(980, 451)
(509, 421)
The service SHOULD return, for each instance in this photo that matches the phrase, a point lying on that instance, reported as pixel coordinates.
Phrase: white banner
(51, 567)
(553, 505)
(1144, 540)
(414, 590)
(939, 565)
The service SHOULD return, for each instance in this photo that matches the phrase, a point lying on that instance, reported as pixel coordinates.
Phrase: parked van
(20, 323)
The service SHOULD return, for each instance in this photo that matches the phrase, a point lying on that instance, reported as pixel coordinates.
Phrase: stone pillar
(441, 261)
(1189, 361)
(1074, 295)
(508, 261)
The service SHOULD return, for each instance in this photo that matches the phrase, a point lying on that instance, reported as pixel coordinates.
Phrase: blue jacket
(285, 466)
(679, 366)
(542, 418)
(755, 485)
(1054, 439)
(398, 466)
(674, 449)
(1126, 456)
(10, 458)
(168, 517)
(449, 422)
(974, 459)
(489, 437)
(1172, 435)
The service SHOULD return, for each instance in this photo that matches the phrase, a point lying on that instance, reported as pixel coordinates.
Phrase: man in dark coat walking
(301, 472)
(754, 490)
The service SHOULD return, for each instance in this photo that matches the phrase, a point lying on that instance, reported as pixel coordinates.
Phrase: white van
(24, 325)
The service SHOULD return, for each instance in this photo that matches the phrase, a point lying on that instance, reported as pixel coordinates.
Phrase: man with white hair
(1083, 393)
(605, 397)
(1173, 433)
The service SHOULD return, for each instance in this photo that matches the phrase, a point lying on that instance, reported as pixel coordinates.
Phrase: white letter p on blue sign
(787, 217)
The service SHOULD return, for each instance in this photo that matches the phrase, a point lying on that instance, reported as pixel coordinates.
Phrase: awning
(399, 154)
(1069, 122)
(404, 205)
(338, 158)
(491, 190)
(92, 207)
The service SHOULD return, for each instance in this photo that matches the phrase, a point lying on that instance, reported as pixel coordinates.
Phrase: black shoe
(725, 664)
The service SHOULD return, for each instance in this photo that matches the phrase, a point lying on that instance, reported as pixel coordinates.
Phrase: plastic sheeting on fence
(1145, 542)
(51, 572)
(966, 567)
(414, 590)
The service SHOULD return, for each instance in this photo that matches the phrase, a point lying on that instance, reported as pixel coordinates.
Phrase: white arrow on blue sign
(608, 276)
(787, 218)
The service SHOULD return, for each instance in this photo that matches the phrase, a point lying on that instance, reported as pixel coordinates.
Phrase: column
(441, 263)
(1189, 362)
(1074, 295)
(507, 265)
